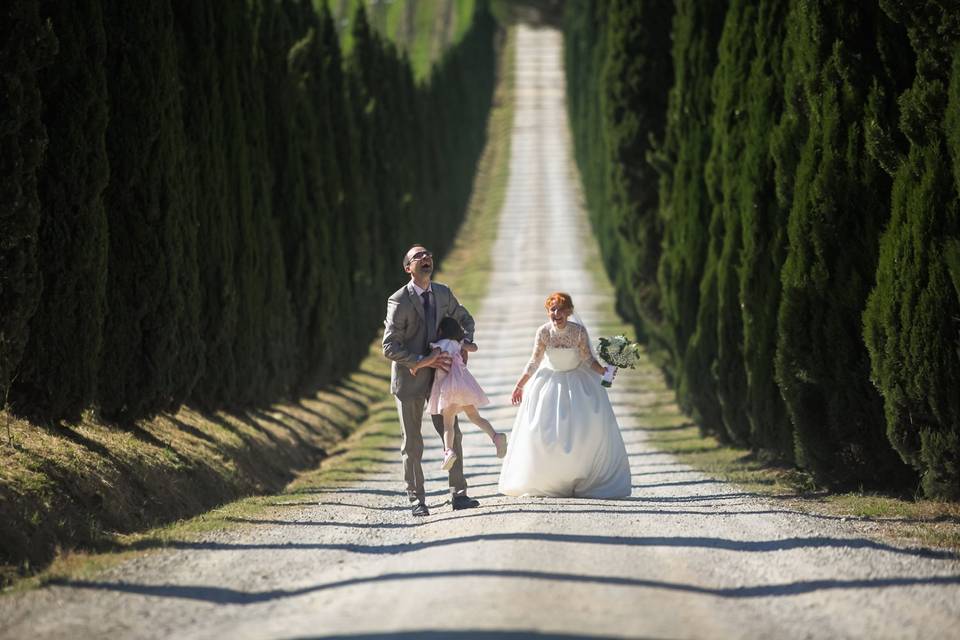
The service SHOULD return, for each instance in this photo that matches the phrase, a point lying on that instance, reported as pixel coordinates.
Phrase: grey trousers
(411, 448)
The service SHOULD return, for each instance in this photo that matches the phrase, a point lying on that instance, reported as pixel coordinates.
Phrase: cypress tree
(245, 176)
(840, 202)
(202, 46)
(722, 355)
(60, 363)
(584, 52)
(264, 345)
(28, 45)
(952, 245)
(152, 349)
(636, 70)
(324, 353)
(367, 78)
(366, 201)
(297, 207)
(352, 223)
(684, 205)
(700, 358)
(763, 225)
(910, 320)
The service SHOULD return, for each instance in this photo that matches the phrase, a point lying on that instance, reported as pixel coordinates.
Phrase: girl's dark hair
(450, 329)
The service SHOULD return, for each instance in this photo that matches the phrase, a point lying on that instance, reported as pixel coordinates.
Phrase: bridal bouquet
(617, 352)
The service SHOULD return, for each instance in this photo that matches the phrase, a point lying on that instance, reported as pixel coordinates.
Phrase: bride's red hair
(560, 299)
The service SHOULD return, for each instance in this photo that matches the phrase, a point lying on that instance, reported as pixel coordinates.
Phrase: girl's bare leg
(449, 417)
(479, 420)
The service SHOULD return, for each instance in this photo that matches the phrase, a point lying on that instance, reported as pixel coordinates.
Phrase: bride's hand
(517, 396)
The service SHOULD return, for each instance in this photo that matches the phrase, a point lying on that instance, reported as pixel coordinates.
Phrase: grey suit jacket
(405, 336)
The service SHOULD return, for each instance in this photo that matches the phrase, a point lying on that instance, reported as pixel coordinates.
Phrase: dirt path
(684, 557)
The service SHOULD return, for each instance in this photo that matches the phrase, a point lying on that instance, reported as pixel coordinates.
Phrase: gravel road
(685, 557)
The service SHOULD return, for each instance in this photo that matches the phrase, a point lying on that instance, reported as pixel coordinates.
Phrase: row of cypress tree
(775, 186)
(204, 203)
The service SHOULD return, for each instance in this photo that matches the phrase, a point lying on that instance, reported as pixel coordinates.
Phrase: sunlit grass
(424, 29)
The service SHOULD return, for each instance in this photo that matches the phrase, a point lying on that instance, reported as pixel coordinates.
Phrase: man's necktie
(429, 318)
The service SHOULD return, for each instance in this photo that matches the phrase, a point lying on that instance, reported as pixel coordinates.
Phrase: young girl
(457, 391)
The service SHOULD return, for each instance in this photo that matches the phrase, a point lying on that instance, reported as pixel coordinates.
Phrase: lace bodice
(572, 336)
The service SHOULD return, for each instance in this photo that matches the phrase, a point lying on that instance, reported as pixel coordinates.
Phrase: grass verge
(107, 489)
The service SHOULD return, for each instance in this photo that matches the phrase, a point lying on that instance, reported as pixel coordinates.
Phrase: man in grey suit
(413, 313)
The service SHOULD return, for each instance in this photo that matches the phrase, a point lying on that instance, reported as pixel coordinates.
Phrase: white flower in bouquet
(617, 352)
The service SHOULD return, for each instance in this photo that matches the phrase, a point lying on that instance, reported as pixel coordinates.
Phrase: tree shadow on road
(224, 595)
(458, 634)
(497, 512)
(684, 542)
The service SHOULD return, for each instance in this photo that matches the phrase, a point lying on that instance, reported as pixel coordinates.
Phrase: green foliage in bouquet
(619, 351)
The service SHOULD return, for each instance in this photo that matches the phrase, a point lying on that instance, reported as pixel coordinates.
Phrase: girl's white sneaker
(449, 457)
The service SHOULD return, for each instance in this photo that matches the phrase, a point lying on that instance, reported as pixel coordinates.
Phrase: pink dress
(457, 387)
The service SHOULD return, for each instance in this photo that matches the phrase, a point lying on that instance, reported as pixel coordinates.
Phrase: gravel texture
(685, 557)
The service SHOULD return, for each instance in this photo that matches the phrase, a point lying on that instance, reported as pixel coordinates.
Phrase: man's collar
(418, 289)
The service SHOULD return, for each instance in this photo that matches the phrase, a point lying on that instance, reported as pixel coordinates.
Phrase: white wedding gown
(565, 440)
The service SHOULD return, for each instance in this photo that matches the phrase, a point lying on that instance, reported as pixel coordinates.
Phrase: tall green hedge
(224, 201)
(736, 52)
(684, 206)
(205, 51)
(686, 211)
(584, 54)
(617, 57)
(58, 371)
(911, 316)
(634, 74)
(838, 198)
(27, 45)
(764, 238)
(152, 350)
(809, 269)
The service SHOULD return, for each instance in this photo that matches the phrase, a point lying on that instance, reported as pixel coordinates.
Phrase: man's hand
(463, 354)
(436, 360)
(442, 361)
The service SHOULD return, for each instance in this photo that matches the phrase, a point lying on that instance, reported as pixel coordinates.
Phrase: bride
(565, 439)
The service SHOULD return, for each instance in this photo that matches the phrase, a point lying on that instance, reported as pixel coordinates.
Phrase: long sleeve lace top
(572, 336)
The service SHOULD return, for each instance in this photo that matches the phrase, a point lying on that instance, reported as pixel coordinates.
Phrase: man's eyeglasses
(419, 255)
